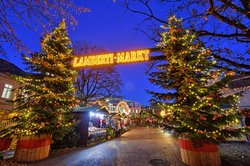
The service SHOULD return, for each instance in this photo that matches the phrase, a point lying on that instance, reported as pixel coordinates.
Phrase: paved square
(141, 146)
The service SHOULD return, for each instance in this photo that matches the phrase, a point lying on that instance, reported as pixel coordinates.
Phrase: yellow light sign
(111, 58)
(163, 113)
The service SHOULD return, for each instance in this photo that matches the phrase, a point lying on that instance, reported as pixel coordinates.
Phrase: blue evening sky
(108, 26)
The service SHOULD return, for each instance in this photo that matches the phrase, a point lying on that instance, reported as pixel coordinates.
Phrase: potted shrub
(7, 122)
(192, 96)
(45, 97)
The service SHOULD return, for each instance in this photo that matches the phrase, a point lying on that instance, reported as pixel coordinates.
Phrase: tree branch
(144, 13)
(237, 8)
(227, 20)
(206, 33)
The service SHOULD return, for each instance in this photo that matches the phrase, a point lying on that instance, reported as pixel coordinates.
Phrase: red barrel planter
(5, 143)
(32, 148)
(206, 155)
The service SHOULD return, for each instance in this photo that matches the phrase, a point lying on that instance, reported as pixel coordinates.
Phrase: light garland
(49, 90)
(197, 105)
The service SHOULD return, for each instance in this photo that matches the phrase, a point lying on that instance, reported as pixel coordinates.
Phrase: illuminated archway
(123, 57)
(124, 106)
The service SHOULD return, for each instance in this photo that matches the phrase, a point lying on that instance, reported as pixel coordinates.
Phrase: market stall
(92, 123)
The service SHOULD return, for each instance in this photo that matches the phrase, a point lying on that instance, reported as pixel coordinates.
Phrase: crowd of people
(116, 122)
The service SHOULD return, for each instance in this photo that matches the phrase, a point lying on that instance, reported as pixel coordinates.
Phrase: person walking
(117, 127)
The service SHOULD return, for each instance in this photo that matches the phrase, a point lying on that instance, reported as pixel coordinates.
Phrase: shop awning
(94, 108)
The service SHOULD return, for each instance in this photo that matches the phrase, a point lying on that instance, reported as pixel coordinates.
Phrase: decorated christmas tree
(47, 94)
(192, 88)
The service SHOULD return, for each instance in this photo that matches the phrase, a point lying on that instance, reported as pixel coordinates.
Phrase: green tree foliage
(47, 93)
(192, 89)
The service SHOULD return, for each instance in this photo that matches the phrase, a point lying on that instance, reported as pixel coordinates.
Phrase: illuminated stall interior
(93, 121)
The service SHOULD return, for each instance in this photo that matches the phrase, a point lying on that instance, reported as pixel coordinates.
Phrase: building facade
(121, 106)
(241, 84)
(7, 85)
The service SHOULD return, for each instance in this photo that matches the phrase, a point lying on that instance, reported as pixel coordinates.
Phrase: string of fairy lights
(49, 94)
(195, 103)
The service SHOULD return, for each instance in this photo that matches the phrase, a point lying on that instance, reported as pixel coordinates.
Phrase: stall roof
(240, 82)
(7, 67)
(93, 108)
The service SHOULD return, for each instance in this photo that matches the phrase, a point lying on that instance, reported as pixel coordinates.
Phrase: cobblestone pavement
(235, 153)
(143, 146)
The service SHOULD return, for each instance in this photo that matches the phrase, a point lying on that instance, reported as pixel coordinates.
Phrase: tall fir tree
(192, 89)
(47, 94)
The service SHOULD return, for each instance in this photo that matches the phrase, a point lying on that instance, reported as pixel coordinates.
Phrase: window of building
(7, 91)
(112, 108)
